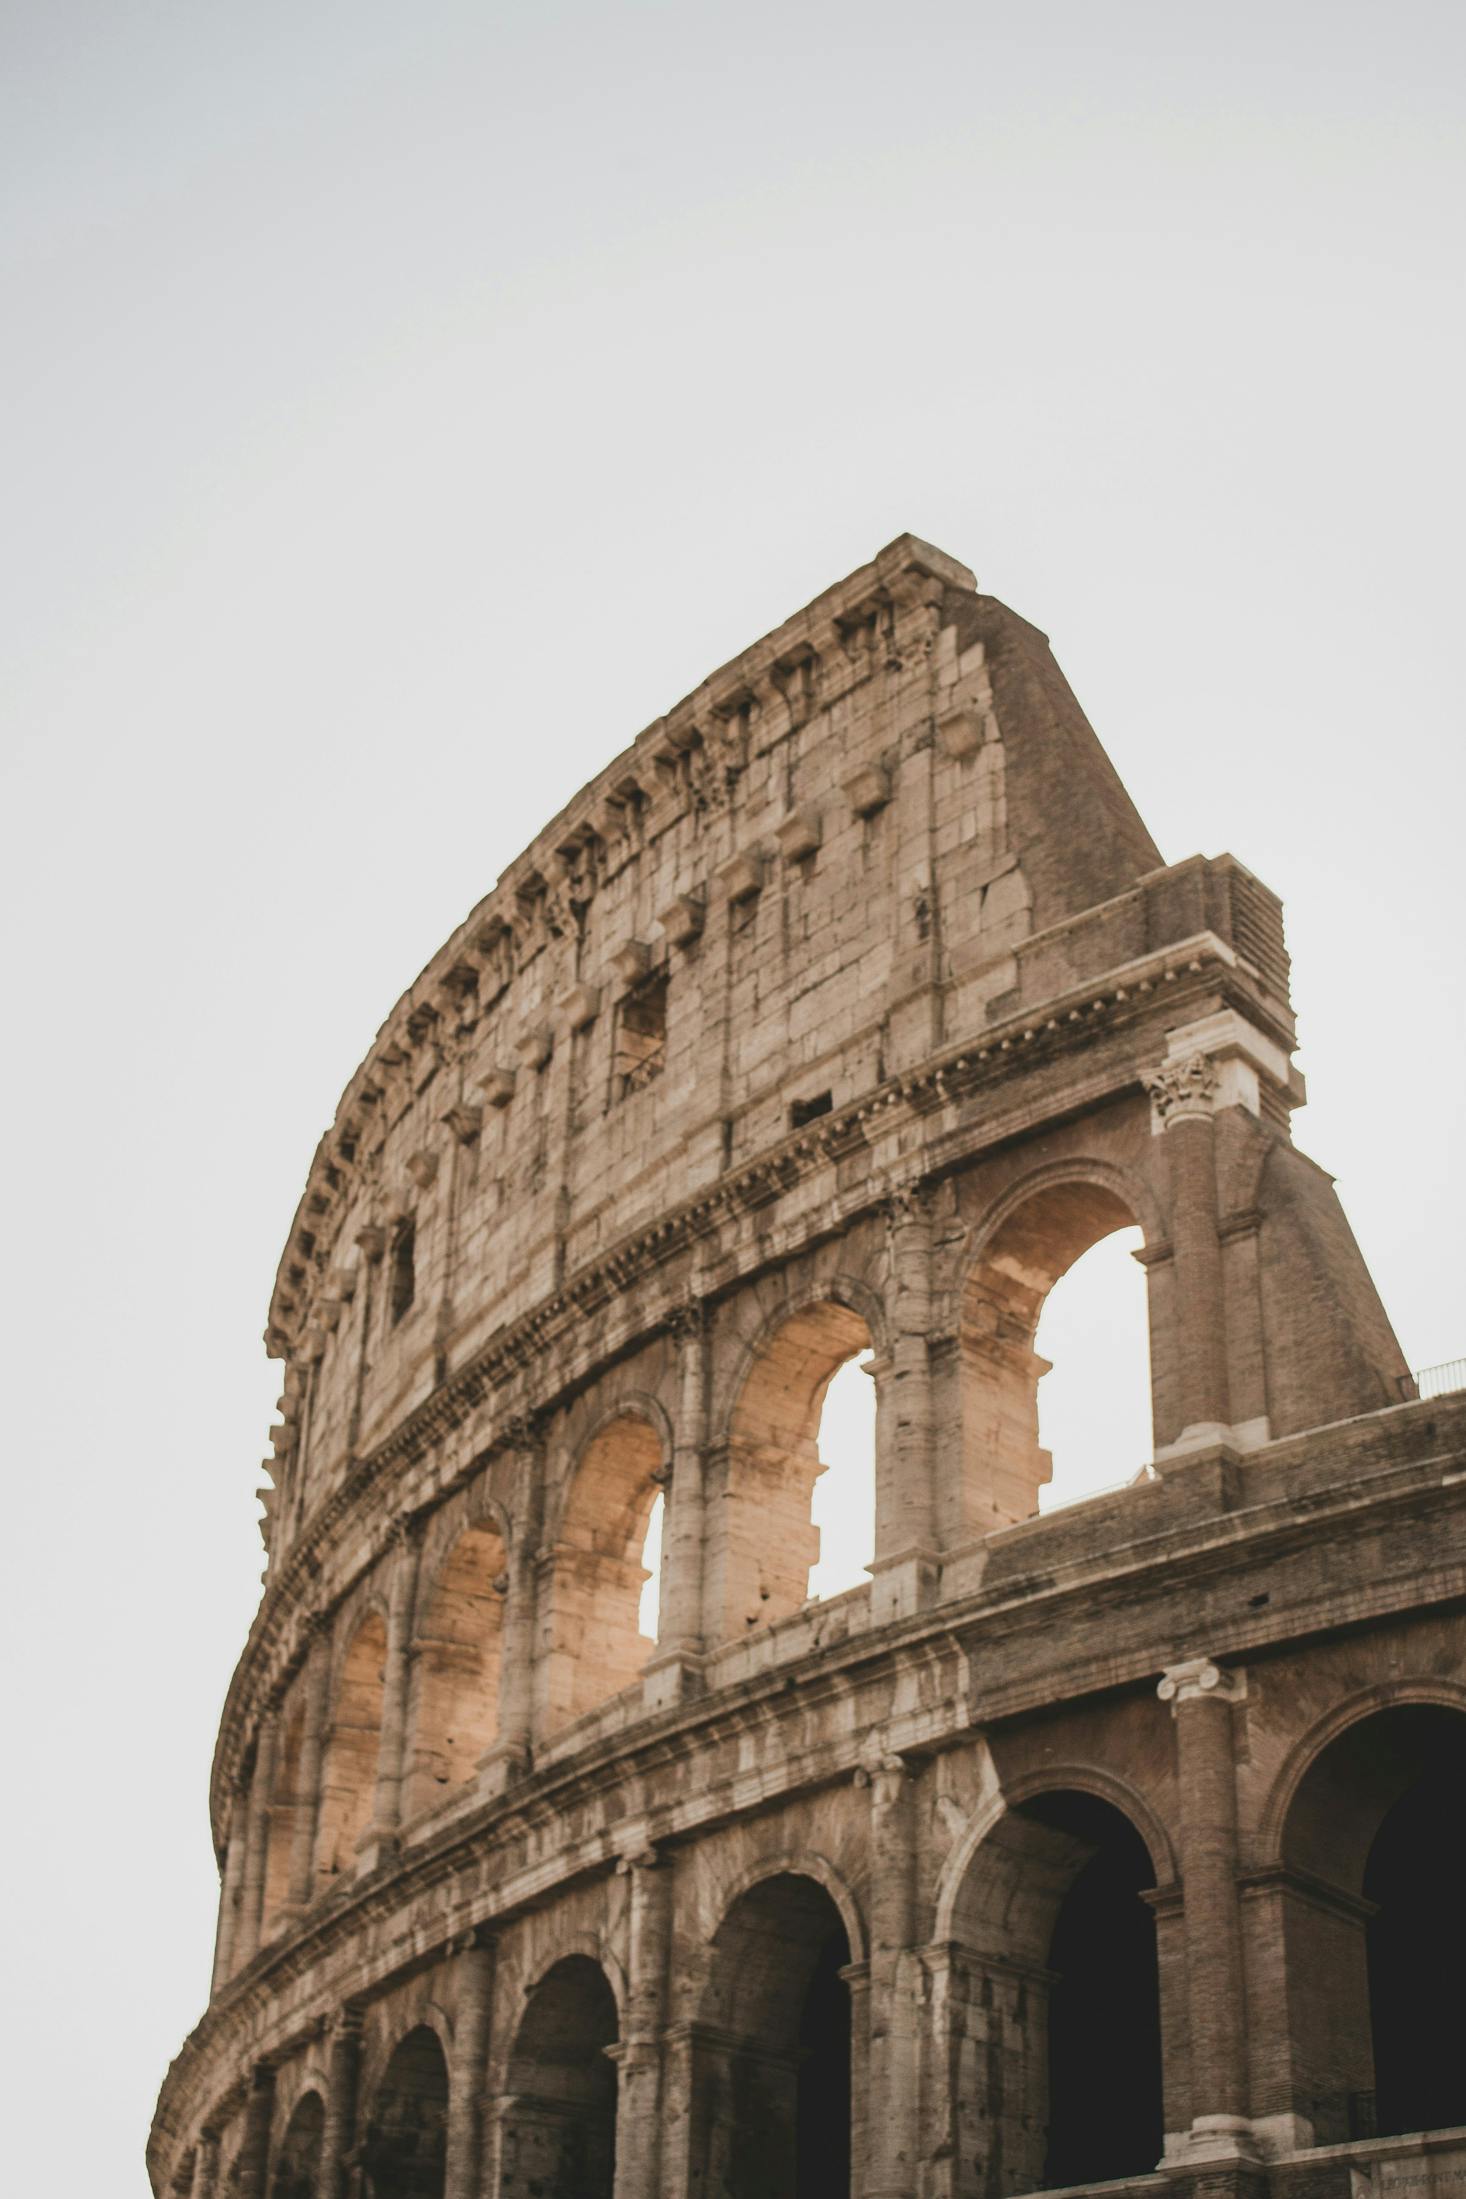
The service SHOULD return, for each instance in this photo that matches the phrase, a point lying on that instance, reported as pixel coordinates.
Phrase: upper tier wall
(883, 828)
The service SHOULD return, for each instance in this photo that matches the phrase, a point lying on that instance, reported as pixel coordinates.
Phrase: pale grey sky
(403, 406)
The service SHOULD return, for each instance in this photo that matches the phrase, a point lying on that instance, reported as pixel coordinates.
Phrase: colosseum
(1114, 1845)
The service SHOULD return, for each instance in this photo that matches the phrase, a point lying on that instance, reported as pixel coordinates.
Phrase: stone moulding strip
(1129, 992)
(940, 1641)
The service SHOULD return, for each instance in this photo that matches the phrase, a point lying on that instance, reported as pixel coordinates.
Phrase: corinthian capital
(1183, 1091)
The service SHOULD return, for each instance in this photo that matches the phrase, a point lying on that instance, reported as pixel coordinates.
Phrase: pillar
(890, 2137)
(256, 1845)
(205, 2179)
(857, 1983)
(675, 1664)
(230, 1891)
(1201, 1698)
(1183, 1099)
(312, 1751)
(253, 2164)
(381, 1835)
(639, 2051)
(513, 1751)
(473, 1972)
(905, 1569)
(338, 2130)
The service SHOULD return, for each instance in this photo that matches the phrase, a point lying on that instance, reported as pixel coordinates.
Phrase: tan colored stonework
(842, 1012)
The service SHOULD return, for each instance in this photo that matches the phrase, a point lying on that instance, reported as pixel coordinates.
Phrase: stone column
(338, 2130)
(205, 2179)
(857, 1982)
(1183, 1100)
(312, 1750)
(905, 1568)
(675, 1662)
(891, 2069)
(230, 1892)
(254, 2150)
(1201, 1698)
(381, 1835)
(473, 1972)
(513, 1751)
(256, 1846)
(639, 2052)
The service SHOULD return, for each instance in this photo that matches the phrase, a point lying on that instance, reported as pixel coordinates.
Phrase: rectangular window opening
(403, 1281)
(641, 1035)
(809, 1110)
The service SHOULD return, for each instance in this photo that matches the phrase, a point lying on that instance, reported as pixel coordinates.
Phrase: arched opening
(286, 1801)
(1094, 1413)
(405, 2150)
(1374, 1928)
(1055, 2001)
(771, 2087)
(349, 1762)
(595, 1643)
(1005, 1466)
(842, 1504)
(559, 2138)
(455, 1669)
(764, 1555)
(298, 2162)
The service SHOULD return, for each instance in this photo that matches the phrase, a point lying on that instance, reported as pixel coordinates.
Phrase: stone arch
(1029, 1237)
(772, 2093)
(353, 1744)
(1083, 1779)
(1050, 1951)
(763, 1540)
(1371, 1915)
(404, 2149)
(799, 1863)
(1426, 1688)
(558, 2131)
(296, 2167)
(457, 1656)
(591, 1644)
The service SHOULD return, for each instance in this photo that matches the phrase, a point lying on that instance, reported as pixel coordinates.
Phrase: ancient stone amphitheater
(839, 1015)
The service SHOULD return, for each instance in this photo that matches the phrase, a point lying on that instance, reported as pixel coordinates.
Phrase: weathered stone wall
(842, 1013)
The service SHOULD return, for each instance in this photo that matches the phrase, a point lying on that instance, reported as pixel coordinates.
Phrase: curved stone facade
(840, 1014)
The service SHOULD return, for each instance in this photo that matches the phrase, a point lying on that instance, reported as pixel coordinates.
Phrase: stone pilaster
(257, 1845)
(474, 1974)
(381, 1834)
(639, 2052)
(1201, 1696)
(1183, 1099)
(253, 2164)
(205, 2179)
(674, 1666)
(513, 1751)
(891, 2150)
(338, 2131)
(312, 1752)
(905, 1568)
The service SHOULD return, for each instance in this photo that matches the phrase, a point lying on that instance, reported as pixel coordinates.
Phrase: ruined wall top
(881, 830)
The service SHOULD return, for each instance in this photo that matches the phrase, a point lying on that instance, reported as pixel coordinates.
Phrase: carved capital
(1183, 1091)
(688, 1321)
(1199, 1680)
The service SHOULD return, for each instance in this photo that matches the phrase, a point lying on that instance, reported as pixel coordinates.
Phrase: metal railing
(1440, 1381)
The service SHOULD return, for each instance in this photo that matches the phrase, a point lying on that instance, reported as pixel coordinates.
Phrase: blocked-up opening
(560, 2128)
(286, 1802)
(1005, 1466)
(349, 1762)
(771, 2092)
(1376, 2024)
(641, 1035)
(405, 2150)
(1054, 1963)
(1094, 1416)
(765, 1541)
(402, 1278)
(298, 2162)
(455, 1669)
(596, 1644)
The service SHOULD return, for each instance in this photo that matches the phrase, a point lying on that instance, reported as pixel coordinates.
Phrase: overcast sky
(403, 407)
